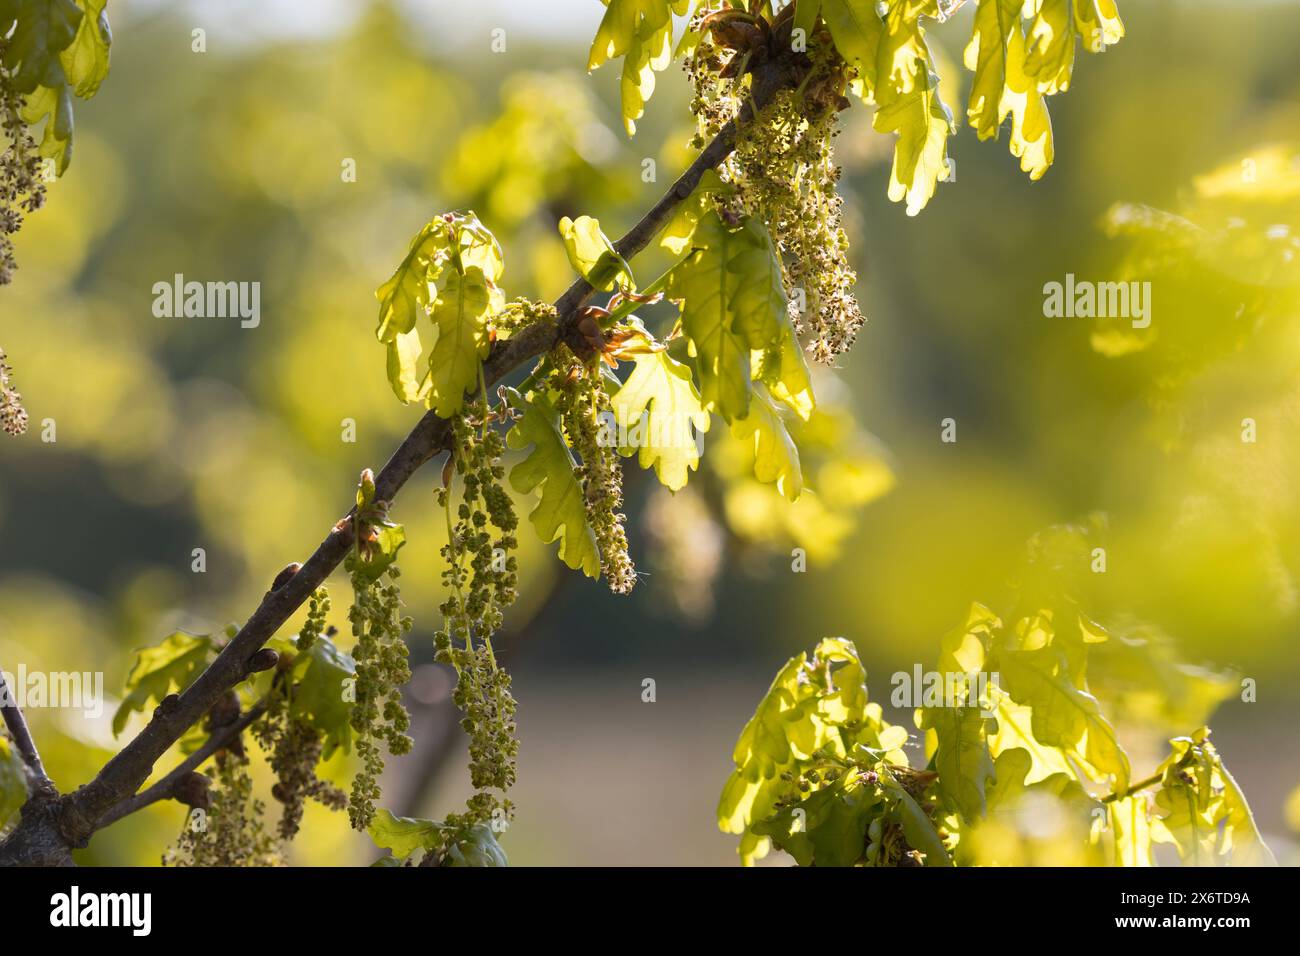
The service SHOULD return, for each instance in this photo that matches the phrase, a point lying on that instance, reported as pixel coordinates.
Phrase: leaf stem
(1150, 781)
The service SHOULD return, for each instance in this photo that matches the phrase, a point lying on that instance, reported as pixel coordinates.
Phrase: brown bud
(735, 34)
(192, 790)
(166, 705)
(263, 660)
(586, 339)
(285, 575)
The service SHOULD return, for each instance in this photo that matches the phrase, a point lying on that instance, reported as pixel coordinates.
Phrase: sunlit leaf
(168, 667)
(560, 513)
(660, 405)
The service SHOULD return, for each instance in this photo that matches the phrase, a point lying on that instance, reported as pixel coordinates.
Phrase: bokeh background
(185, 433)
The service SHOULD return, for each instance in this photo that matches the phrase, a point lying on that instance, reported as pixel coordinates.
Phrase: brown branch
(85, 810)
(165, 788)
(26, 746)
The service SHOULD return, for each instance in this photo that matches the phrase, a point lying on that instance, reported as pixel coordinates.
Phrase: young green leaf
(403, 835)
(560, 513)
(450, 274)
(476, 846)
(661, 407)
(776, 459)
(828, 827)
(56, 48)
(815, 705)
(961, 756)
(1201, 810)
(923, 124)
(1049, 56)
(732, 303)
(996, 53)
(783, 368)
(1129, 831)
(704, 287)
(640, 31)
(857, 30)
(319, 696)
(917, 825)
(1063, 715)
(460, 315)
(85, 60)
(43, 29)
(593, 256)
(907, 94)
(171, 665)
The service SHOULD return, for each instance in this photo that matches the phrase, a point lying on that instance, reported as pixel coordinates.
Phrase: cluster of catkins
(230, 831)
(13, 417)
(584, 407)
(520, 314)
(294, 747)
(481, 570)
(293, 744)
(783, 173)
(378, 713)
(481, 577)
(21, 188)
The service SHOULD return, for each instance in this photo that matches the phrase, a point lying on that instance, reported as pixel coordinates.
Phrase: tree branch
(85, 810)
(22, 737)
(165, 788)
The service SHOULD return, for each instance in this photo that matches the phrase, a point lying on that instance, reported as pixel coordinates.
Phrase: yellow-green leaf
(783, 368)
(560, 513)
(776, 459)
(168, 667)
(460, 314)
(640, 31)
(961, 756)
(659, 409)
(1063, 715)
(996, 54)
(85, 60)
(592, 255)
(402, 835)
(857, 29)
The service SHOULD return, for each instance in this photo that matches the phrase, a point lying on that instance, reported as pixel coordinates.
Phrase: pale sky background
(447, 21)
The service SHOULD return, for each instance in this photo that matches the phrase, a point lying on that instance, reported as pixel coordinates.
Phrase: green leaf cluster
(999, 755)
(476, 845)
(56, 49)
(816, 711)
(450, 277)
(641, 33)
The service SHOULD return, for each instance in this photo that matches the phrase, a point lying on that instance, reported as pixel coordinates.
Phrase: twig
(1150, 781)
(22, 737)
